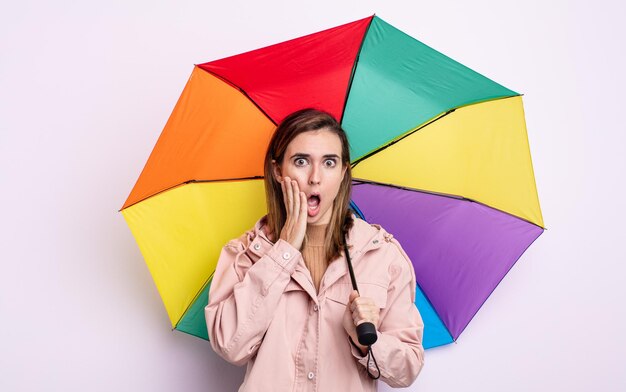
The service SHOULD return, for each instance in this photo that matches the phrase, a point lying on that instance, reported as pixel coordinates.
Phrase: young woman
(281, 300)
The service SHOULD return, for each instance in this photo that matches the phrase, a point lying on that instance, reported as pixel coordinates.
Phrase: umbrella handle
(366, 332)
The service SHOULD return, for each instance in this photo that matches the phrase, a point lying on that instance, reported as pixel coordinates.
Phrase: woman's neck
(316, 234)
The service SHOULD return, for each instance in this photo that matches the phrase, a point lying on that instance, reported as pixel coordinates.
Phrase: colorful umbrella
(440, 159)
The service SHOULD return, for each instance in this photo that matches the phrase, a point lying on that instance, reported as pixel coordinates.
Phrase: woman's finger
(283, 188)
(366, 311)
(296, 202)
(303, 208)
(363, 302)
(289, 204)
(361, 318)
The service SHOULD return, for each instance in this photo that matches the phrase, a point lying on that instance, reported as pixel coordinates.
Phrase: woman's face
(313, 159)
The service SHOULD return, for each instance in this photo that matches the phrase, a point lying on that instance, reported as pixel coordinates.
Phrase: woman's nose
(314, 177)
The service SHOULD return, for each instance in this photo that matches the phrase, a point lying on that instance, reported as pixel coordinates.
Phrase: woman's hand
(296, 205)
(359, 310)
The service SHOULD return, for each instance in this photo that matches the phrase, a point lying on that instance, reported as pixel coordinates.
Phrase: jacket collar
(360, 237)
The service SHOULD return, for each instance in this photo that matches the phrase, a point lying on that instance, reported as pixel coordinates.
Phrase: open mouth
(313, 205)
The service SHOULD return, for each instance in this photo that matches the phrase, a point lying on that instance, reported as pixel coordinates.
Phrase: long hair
(341, 221)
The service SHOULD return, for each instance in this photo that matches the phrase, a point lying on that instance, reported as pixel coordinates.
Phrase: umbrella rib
(357, 161)
(360, 181)
(227, 179)
(195, 298)
(356, 62)
(192, 181)
(241, 90)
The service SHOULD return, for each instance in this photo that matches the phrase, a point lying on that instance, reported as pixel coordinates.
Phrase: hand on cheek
(296, 206)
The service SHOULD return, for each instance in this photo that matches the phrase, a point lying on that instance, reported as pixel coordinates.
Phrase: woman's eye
(330, 163)
(300, 161)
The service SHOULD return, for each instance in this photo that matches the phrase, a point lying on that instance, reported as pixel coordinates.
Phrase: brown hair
(341, 221)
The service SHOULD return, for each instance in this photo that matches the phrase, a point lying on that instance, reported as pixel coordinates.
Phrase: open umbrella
(440, 158)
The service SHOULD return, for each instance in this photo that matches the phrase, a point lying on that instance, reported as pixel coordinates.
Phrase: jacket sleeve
(398, 351)
(243, 296)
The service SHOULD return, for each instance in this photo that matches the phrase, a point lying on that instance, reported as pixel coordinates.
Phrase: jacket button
(315, 307)
(286, 255)
(311, 375)
(257, 246)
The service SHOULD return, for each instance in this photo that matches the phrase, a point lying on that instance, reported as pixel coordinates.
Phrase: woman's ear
(276, 171)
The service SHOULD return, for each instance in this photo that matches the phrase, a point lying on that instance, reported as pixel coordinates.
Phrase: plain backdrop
(86, 88)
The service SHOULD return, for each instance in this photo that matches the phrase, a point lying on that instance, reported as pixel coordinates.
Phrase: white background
(86, 88)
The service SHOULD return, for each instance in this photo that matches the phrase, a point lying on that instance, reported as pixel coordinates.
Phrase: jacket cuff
(285, 255)
(380, 351)
(356, 351)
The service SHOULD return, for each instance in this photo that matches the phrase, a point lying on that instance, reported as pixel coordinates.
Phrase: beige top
(313, 253)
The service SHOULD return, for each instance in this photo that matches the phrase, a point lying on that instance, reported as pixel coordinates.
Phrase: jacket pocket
(340, 292)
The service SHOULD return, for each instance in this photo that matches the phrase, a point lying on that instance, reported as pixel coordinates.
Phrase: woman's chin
(313, 219)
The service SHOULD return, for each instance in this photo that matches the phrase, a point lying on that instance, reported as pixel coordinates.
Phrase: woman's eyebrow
(299, 154)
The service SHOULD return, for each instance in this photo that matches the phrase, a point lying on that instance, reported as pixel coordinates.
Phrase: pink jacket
(264, 311)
